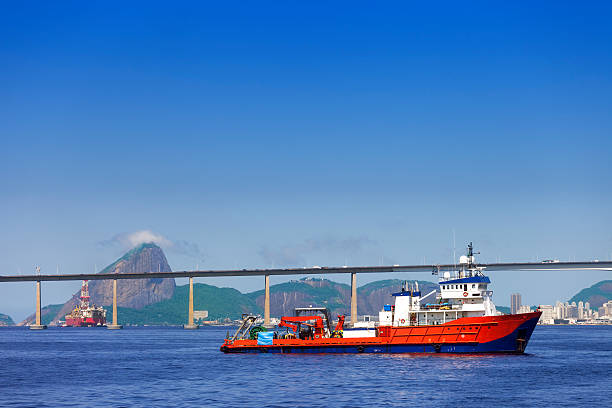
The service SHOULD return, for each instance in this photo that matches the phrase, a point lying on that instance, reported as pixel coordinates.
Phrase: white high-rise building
(607, 307)
(559, 310)
(548, 314)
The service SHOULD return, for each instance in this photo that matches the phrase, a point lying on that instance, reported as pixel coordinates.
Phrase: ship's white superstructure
(463, 293)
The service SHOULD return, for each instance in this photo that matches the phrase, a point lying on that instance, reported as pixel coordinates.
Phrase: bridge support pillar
(114, 326)
(38, 325)
(267, 302)
(190, 325)
(353, 298)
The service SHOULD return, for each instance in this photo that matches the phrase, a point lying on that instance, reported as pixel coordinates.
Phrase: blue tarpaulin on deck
(265, 338)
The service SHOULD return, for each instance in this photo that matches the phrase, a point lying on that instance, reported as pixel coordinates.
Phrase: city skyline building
(515, 303)
(574, 313)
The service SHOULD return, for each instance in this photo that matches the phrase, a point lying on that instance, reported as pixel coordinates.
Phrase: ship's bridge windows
(473, 286)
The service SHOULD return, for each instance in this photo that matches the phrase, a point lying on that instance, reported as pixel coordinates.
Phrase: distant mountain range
(160, 302)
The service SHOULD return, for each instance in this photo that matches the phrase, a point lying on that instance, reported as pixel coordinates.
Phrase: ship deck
(489, 334)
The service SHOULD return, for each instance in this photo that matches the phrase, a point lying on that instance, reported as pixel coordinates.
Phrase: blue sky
(294, 134)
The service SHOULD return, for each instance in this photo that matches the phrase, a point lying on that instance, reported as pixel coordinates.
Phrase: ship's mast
(468, 263)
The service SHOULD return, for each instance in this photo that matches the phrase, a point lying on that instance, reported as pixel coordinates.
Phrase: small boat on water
(461, 318)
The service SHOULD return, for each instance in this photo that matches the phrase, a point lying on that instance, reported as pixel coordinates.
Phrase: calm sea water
(148, 367)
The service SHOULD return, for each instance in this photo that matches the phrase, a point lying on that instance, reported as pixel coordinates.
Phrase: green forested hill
(47, 314)
(220, 303)
(596, 295)
(503, 309)
(5, 320)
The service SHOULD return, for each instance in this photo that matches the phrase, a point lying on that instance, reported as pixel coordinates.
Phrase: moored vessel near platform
(461, 319)
(85, 314)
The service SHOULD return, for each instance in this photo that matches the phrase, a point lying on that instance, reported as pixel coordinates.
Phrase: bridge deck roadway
(523, 266)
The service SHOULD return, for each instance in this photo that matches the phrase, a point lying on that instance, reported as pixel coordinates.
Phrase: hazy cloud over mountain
(128, 240)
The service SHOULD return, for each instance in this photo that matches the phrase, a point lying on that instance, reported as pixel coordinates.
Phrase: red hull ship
(86, 314)
(463, 319)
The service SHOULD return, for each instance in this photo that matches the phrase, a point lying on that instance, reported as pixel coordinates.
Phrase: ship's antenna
(471, 253)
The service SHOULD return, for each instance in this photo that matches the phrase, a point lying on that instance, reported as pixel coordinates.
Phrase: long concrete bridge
(435, 268)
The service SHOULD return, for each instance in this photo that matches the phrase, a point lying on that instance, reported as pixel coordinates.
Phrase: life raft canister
(465, 294)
